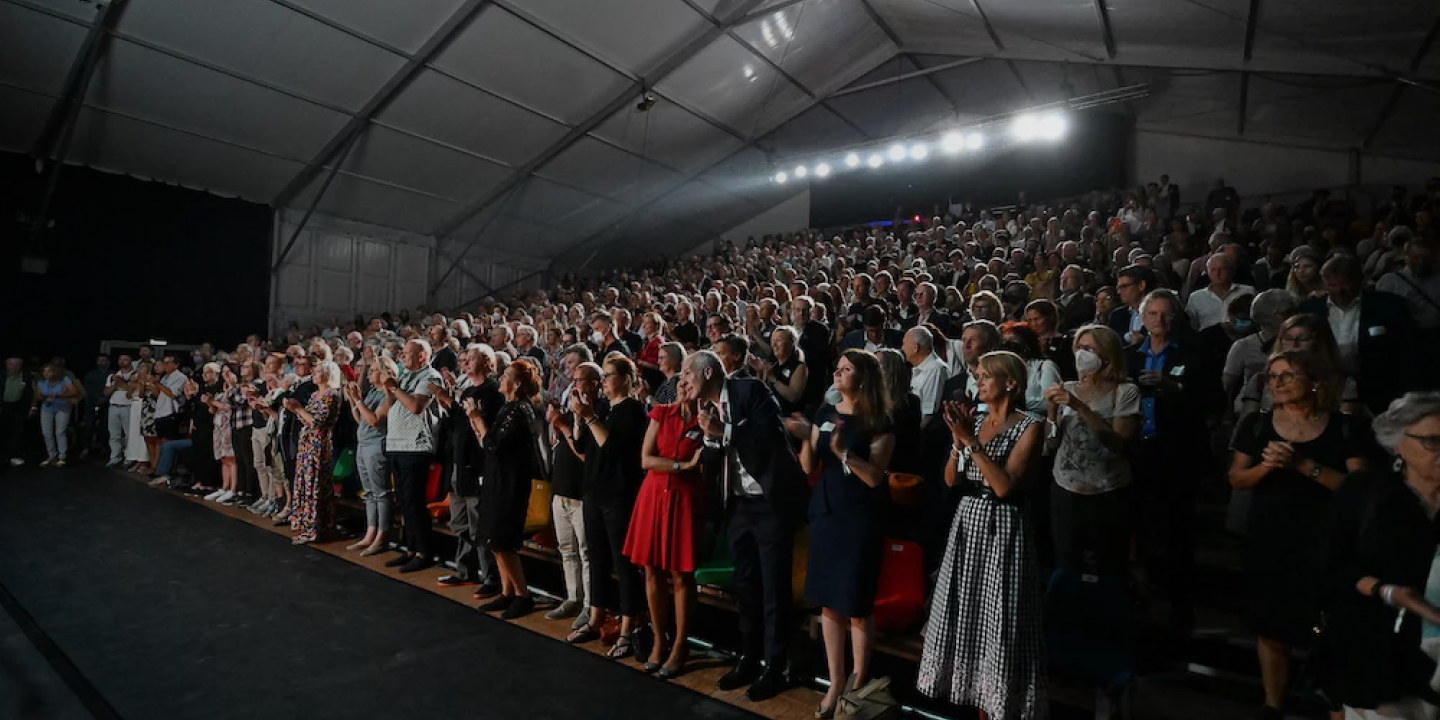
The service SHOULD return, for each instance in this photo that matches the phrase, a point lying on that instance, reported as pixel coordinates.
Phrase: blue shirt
(1153, 361)
(51, 392)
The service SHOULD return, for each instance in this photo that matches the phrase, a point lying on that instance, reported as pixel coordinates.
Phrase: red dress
(667, 511)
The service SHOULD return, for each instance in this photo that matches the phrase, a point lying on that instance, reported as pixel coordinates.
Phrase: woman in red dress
(663, 527)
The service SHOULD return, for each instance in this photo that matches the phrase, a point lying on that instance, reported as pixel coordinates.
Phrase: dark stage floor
(169, 611)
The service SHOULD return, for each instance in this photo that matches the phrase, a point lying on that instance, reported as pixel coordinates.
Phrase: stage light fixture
(1025, 128)
(852, 160)
(781, 177)
(801, 171)
(952, 142)
(822, 170)
(919, 151)
(875, 160)
(974, 141)
(1052, 126)
(897, 152)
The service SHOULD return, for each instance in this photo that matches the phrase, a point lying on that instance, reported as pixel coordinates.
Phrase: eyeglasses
(1124, 286)
(1431, 443)
(1284, 378)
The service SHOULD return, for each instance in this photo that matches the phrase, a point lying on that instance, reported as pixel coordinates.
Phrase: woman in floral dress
(311, 506)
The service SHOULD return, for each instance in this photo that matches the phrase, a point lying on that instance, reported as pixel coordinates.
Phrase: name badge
(693, 434)
(827, 427)
(1177, 371)
(1376, 331)
(785, 373)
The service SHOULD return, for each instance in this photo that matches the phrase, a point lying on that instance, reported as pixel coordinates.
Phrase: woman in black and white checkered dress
(983, 642)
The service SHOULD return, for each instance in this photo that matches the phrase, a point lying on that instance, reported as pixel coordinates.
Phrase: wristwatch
(1316, 471)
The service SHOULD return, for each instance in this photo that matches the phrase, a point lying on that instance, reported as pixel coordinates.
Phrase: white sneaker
(225, 496)
(159, 480)
(215, 495)
(17, 462)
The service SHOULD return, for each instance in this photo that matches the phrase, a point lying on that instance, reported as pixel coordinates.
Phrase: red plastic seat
(901, 595)
(434, 489)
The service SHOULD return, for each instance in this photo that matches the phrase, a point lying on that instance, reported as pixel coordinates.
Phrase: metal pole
(329, 178)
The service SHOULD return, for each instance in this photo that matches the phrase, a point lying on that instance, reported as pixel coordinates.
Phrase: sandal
(582, 634)
(624, 647)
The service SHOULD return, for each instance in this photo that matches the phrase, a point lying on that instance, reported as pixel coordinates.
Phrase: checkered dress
(984, 646)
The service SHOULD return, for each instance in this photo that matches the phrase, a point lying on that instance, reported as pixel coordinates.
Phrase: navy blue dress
(846, 524)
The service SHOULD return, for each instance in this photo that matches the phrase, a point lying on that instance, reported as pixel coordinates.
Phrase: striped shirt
(405, 431)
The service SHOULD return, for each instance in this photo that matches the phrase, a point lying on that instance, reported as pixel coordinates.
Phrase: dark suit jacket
(762, 445)
(1080, 311)
(940, 319)
(1180, 415)
(856, 339)
(1387, 347)
(1120, 321)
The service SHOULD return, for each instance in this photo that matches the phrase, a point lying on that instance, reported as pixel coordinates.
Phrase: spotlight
(897, 152)
(781, 177)
(1052, 126)
(852, 160)
(800, 171)
(823, 170)
(1025, 128)
(875, 161)
(918, 151)
(647, 101)
(952, 142)
(974, 141)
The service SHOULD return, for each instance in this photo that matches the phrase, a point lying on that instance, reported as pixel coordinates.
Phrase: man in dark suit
(747, 458)
(1178, 391)
(925, 296)
(874, 335)
(1374, 330)
(1133, 284)
(1074, 307)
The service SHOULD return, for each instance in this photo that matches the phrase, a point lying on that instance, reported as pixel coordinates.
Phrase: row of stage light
(1024, 129)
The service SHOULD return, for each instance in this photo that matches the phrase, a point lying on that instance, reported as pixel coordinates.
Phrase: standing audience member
(411, 427)
(672, 358)
(1379, 587)
(511, 467)
(468, 461)
(927, 379)
(222, 443)
(1207, 305)
(312, 503)
(370, 461)
(664, 529)
(567, 481)
(983, 643)
(1373, 329)
(788, 375)
(1248, 356)
(1093, 422)
(56, 397)
(908, 456)
(118, 415)
(1294, 458)
(850, 443)
(19, 394)
(1418, 284)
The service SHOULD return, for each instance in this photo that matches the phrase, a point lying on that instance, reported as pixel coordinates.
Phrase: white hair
(333, 377)
(1408, 409)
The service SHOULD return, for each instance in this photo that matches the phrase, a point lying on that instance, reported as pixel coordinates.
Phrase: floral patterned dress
(220, 440)
(312, 505)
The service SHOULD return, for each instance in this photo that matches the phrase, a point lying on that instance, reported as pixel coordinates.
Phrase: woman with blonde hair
(1093, 421)
(312, 496)
(850, 442)
(370, 461)
(216, 398)
(1294, 458)
(1305, 281)
(983, 644)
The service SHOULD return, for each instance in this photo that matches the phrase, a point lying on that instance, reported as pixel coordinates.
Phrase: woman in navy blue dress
(851, 443)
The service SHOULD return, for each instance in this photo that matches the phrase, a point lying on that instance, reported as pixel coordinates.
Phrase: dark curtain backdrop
(1091, 156)
(128, 259)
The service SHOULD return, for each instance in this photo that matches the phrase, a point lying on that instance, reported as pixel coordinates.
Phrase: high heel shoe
(824, 713)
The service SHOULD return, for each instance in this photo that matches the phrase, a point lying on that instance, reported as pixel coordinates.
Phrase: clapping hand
(1058, 394)
(960, 419)
(709, 420)
(581, 405)
(798, 427)
(293, 405)
(693, 462)
(1278, 454)
(835, 447)
(472, 408)
(191, 387)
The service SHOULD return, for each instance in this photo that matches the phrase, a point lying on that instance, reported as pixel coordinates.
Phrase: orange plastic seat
(905, 489)
(901, 593)
(537, 515)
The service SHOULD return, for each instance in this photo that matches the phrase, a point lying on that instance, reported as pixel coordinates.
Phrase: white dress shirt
(928, 383)
(746, 485)
(1345, 326)
(1207, 308)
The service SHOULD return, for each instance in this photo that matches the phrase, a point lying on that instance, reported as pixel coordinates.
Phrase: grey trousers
(269, 472)
(574, 551)
(374, 469)
(472, 560)
(118, 422)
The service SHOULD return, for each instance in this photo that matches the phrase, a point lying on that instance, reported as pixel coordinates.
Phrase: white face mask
(1087, 362)
(598, 338)
(832, 396)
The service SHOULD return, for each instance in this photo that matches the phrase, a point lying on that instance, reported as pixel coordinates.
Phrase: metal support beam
(1020, 79)
(1252, 20)
(906, 76)
(499, 212)
(60, 127)
(890, 33)
(1394, 99)
(387, 93)
(1244, 102)
(304, 220)
(1103, 13)
(989, 29)
(495, 291)
(767, 12)
(630, 94)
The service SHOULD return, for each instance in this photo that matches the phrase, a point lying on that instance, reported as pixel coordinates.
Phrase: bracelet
(590, 422)
(1387, 595)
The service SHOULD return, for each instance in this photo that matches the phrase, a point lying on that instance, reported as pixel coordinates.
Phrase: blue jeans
(167, 454)
(374, 469)
(53, 424)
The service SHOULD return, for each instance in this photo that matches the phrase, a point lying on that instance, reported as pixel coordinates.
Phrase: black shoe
(499, 603)
(454, 581)
(772, 683)
(398, 560)
(519, 607)
(486, 591)
(744, 673)
(417, 564)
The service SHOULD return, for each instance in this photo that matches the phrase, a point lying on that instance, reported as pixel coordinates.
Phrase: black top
(510, 444)
(783, 371)
(687, 334)
(613, 471)
(907, 457)
(466, 454)
(445, 359)
(567, 472)
(633, 342)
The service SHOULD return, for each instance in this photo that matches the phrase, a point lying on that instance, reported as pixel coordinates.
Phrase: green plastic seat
(718, 571)
(344, 465)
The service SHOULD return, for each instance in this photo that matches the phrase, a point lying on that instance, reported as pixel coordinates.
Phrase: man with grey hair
(1247, 357)
(748, 458)
(927, 381)
(412, 422)
(465, 467)
(19, 391)
(1207, 305)
(570, 439)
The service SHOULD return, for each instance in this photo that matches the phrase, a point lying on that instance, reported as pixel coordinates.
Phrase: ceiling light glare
(919, 151)
(801, 171)
(1025, 128)
(875, 160)
(897, 152)
(852, 160)
(974, 141)
(823, 170)
(749, 72)
(781, 177)
(1052, 126)
(952, 142)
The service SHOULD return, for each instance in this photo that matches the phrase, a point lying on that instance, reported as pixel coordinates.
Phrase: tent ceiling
(525, 113)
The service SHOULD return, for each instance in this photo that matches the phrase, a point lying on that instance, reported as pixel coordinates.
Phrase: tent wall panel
(788, 216)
